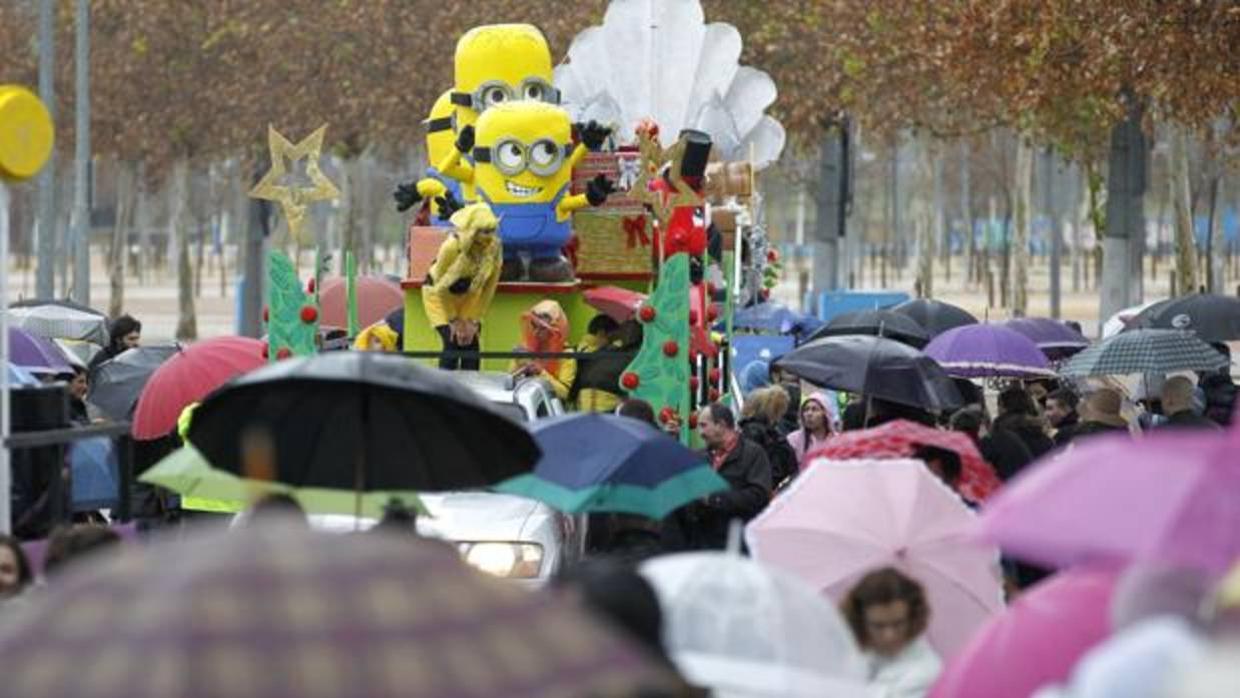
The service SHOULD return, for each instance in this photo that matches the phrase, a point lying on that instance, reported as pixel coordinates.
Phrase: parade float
(630, 165)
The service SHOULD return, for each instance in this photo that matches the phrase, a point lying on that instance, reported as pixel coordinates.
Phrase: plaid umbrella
(273, 611)
(1145, 351)
(901, 439)
(59, 321)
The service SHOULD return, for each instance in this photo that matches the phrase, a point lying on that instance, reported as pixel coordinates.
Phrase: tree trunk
(350, 228)
(966, 213)
(1182, 203)
(126, 174)
(1125, 217)
(942, 236)
(178, 225)
(1078, 227)
(924, 214)
(1022, 219)
(142, 219)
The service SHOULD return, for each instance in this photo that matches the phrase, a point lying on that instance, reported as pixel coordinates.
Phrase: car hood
(461, 516)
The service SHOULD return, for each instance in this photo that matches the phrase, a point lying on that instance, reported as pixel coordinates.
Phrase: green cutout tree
(659, 374)
(292, 315)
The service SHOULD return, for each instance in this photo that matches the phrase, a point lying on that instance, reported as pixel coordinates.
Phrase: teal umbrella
(606, 463)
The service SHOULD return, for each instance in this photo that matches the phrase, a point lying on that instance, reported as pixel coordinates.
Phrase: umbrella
(988, 351)
(620, 304)
(602, 462)
(376, 297)
(57, 321)
(60, 302)
(1211, 317)
(766, 317)
(285, 612)
(116, 383)
(1035, 642)
(94, 474)
(1125, 319)
(936, 317)
(1169, 496)
(841, 520)
(1053, 337)
(77, 352)
(875, 367)
(1145, 351)
(187, 376)
(19, 376)
(740, 628)
(901, 439)
(36, 354)
(186, 472)
(364, 421)
(882, 323)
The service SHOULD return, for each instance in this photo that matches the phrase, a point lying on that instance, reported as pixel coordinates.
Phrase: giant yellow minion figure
(435, 186)
(522, 170)
(461, 283)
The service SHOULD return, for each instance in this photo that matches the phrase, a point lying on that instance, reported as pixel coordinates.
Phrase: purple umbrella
(988, 351)
(36, 354)
(1053, 337)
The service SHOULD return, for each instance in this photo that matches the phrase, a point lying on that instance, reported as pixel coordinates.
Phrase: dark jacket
(783, 460)
(1085, 429)
(1030, 430)
(1006, 452)
(1187, 419)
(1066, 429)
(1220, 396)
(703, 525)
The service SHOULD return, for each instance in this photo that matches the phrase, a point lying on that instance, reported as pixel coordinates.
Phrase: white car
(505, 535)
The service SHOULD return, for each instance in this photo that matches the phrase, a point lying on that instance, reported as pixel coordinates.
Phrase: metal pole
(6, 479)
(81, 159)
(45, 273)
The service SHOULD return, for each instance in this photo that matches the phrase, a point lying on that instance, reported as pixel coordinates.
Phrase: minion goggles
(493, 92)
(510, 156)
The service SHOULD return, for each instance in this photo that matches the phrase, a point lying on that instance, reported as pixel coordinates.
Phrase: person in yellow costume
(377, 337)
(461, 283)
(544, 328)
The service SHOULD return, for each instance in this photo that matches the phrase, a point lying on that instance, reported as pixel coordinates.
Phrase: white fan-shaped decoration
(659, 59)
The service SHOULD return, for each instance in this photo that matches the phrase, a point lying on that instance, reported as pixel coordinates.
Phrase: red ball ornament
(693, 421)
(765, 293)
(670, 348)
(266, 314)
(714, 394)
(714, 375)
(693, 317)
(772, 256)
(694, 383)
(712, 312)
(309, 314)
(630, 381)
(310, 285)
(666, 415)
(266, 351)
(710, 288)
(647, 313)
(284, 353)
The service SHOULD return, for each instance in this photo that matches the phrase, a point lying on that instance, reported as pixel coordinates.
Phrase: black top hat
(697, 154)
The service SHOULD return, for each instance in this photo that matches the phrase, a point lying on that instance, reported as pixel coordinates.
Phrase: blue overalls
(534, 227)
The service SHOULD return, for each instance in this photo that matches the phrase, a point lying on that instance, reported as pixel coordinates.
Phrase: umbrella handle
(735, 528)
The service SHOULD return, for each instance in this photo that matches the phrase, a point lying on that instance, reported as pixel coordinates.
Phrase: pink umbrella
(376, 297)
(842, 519)
(1037, 641)
(1169, 496)
(187, 376)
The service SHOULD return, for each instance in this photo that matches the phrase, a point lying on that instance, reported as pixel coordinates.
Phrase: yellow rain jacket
(219, 506)
(462, 279)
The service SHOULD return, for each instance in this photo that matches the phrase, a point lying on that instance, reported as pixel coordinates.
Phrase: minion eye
(543, 153)
(534, 91)
(510, 155)
(493, 95)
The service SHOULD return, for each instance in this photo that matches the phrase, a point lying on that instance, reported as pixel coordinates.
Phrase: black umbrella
(880, 323)
(935, 317)
(363, 421)
(1211, 317)
(116, 383)
(875, 367)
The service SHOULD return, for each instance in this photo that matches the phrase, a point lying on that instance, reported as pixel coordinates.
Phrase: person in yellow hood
(377, 337)
(544, 328)
(461, 283)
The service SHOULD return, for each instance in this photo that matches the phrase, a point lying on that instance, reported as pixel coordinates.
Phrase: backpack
(783, 459)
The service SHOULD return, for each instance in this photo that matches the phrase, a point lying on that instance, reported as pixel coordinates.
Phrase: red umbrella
(187, 376)
(376, 297)
(618, 303)
(901, 439)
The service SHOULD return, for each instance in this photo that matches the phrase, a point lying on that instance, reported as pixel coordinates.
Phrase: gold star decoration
(295, 199)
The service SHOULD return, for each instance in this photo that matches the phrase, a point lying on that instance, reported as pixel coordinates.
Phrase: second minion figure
(522, 168)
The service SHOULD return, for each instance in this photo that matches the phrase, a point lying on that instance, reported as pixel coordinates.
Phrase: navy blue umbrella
(606, 463)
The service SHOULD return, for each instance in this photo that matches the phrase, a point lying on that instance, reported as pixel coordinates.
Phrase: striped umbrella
(55, 320)
(1146, 351)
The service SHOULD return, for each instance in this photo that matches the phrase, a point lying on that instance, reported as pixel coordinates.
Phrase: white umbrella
(56, 321)
(743, 629)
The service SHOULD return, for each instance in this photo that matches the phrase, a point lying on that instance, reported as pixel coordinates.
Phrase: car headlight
(507, 560)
